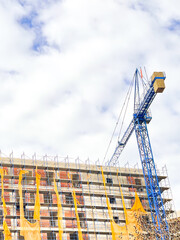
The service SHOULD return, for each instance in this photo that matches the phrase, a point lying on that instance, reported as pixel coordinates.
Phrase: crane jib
(140, 114)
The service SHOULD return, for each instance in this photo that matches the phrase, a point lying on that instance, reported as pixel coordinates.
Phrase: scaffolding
(73, 178)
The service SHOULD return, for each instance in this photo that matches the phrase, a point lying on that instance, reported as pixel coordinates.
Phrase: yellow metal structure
(158, 85)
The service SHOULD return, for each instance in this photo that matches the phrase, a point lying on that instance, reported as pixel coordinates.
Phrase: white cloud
(65, 98)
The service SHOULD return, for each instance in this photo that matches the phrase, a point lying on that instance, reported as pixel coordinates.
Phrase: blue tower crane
(139, 122)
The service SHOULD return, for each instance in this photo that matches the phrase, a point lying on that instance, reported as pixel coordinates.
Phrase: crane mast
(139, 123)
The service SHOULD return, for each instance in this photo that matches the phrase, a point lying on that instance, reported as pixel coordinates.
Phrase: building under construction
(52, 199)
(79, 209)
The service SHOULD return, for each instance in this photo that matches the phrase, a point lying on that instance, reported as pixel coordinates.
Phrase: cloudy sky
(65, 70)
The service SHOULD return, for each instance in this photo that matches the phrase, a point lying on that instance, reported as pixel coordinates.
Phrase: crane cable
(124, 104)
(144, 89)
(130, 90)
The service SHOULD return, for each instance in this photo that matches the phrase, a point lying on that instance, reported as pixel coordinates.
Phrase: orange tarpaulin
(7, 233)
(29, 230)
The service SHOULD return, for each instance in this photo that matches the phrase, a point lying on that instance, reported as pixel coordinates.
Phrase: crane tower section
(139, 122)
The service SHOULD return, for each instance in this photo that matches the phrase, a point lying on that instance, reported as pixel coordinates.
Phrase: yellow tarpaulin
(76, 211)
(132, 229)
(133, 215)
(37, 202)
(29, 230)
(60, 218)
(117, 231)
(138, 205)
(77, 216)
(7, 233)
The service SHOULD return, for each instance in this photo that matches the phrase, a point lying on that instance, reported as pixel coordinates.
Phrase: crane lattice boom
(139, 123)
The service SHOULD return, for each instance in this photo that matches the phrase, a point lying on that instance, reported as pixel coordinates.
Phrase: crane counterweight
(158, 81)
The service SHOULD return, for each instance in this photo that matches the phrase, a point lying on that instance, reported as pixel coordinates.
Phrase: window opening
(109, 180)
(49, 176)
(69, 198)
(17, 200)
(75, 178)
(51, 236)
(1, 217)
(53, 216)
(29, 214)
(138, 181)
(73, 236)
(82, 219)
(116, 219)
(47, 198)
(140, 189)
(32, 198)
(1, 235)
(112, 200)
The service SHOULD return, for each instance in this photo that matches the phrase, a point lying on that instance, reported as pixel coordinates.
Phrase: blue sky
(65, 69)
